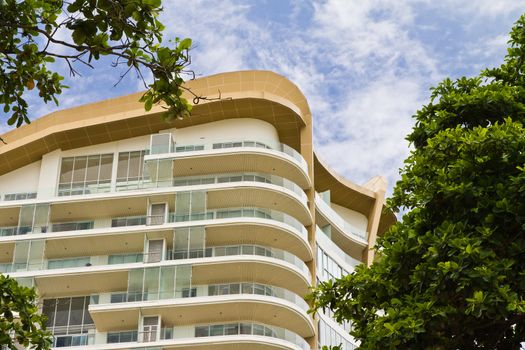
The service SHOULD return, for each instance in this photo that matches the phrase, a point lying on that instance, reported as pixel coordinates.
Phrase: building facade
(201, 233)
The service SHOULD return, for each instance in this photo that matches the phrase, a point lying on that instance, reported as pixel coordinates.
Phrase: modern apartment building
(203, 233)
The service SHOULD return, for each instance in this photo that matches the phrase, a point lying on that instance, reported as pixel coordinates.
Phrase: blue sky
(365, 66)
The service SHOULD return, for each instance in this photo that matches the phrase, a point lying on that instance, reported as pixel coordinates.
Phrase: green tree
(36, 33)
(451, 274)
(20, 322)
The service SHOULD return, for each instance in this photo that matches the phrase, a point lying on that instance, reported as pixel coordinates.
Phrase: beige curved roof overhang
(261, 95)
(348, 194)
(248, 94)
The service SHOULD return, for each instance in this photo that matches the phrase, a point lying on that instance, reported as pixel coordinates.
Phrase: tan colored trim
(256, 94)
(352, 196)
(373, 219)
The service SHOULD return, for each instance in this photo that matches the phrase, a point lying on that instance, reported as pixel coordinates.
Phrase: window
(72, 226)
(85, 174)
(122, 337)
(189, 292)
(19, 196)
(67, 316)
(130, 169)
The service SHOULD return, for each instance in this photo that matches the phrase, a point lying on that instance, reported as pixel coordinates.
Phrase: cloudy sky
(365, 66)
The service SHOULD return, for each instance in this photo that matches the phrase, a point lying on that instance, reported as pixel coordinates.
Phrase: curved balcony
(235, 156)
(196, 291)
(272, 310)
(344, 260)
(217, 179)
(216, 336)
(349, 238)
(264, 269)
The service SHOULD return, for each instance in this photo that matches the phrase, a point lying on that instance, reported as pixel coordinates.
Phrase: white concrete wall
(354, 218)
(21, 180)
(49, 172)
(239, 129)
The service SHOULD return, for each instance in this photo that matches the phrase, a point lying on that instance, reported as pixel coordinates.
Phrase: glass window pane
(165, 172)
(36, 254)
(198, 202)
(167, 282)
(135, 164)
(66, 170)
(258, 329)
(231, 329)
(182, 279)
(182, 203)
(62, 313)
(160, 143)
(151, 283)
(202, 331)
(79, 169)
(21, 252)
(246, 328)
(77, 310)
(106, 164)
(122, 166)
(41, 217)
(87, 316)
(27, 213)
(217, 329)
(197, 238)
(181, 241)
(92, 169)
(48, 310)
(135, 281)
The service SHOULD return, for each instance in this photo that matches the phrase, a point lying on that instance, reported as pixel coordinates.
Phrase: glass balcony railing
(56, 227)
(127, 258)
(281, 147)
(243, 249)
(14, 230)
(168, 335)
(338, 221)
(333, 249)
(245, 288)
(215, 179)
(240, 177)
(247, 212)
(60, 341)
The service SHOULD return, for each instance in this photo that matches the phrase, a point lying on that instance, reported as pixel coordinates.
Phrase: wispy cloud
(364, 66)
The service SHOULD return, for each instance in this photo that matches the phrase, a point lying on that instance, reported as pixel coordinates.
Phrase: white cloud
(366, 136)
(220, 32)
(364, 66)
(480, 9)
(354, 60)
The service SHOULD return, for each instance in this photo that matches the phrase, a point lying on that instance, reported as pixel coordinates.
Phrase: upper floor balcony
(346, 236)
(231, 156)
(212, 336)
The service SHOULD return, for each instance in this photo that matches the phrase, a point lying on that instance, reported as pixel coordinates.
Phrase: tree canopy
(451, 274)
(36, 33)
(20, 322)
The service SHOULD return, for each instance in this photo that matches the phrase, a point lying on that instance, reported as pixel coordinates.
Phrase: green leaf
(148, 104)
(79, 36)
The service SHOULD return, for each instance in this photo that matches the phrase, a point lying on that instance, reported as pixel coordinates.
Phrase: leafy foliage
(36, 33)
(451, 275)
(20, 322)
